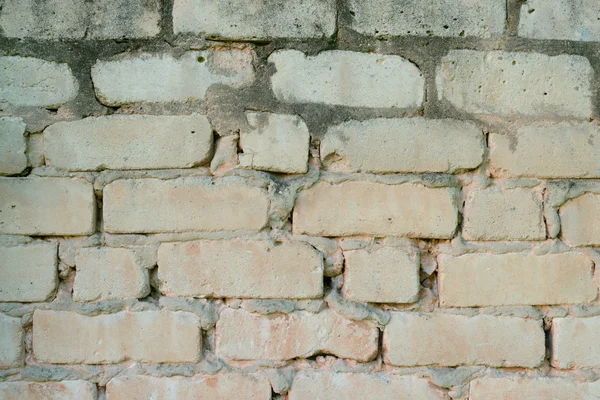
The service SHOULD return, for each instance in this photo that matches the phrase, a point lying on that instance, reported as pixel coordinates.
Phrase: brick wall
(317, 199)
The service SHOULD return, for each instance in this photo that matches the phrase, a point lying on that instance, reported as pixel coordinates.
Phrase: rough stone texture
(382, 275)
(241, 19)
(129, 142)
(575, 343)
(562, 150)
(474, 280)
(403, 145)
(342, 386)
(481, 18)
(506, 388)
(61, 337)
(236, 268)
(46, 206)
(354, 208)
(576, 218)
(65, 390)
(184, 204)
(31, 82)
(149, 77)
(347, 78)
(222, 386)
(565, 20)
(12, 151)
(11, 343)
(276, 142)
(496, 214)
(106, 273)
(523, 84)
(28, 272)
(246, 336)
(412, 339)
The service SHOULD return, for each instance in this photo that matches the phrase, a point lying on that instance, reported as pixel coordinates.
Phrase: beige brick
(185, 204)
(108, 274)
(577, 218)
(11, 343)
(275, 142)
(65, 390)
(342, 386)
(222, 386)
(347, 78)
(46, 206)
(403, 145)
(524, 388)
(245, 336)
(413, 339)
(129, 142)
(354, 208)
(12, 152)
(61, 337)
(523, 84)
(486, 279)
(28, 272)
(237, 268)
(575, 343)
(504, 214)
(382, 275)
(149, 77)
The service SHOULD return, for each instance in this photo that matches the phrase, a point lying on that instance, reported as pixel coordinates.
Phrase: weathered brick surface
(12, 152)
(11, 343)
(576, 217)
(521, 388)
(65, 390)
(574, 343)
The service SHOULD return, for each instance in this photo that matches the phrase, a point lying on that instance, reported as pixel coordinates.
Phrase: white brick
(382, 275)
(149, 77)
(275, 142)
(347, 78)
(109, 273)
(242, 19)
(577, 218)
(575, 343)
(237, 268)
(516, 84)
(61, 337)
(355, 208)
(524, 388)
(483, 280)
(413, 339)
(12, 149)
(46, 206)
(32, 82)
(301, 334)
(403, 145)
(480, 18)
(129, 142)
(28, 272)
(185, 204)
(11, 343)
(65, 390)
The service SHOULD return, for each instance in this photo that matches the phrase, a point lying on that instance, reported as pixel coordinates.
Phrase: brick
(575, 343)
(523, 388)
(108, 274)
(576, 219)
(12, 152)
(221, 386)
(414, 339)
(129, 142)
(481, 18)
(275, 142)
(159, 78)
(240, 19)
(29, 272)
(562, 150)
(32, 82)
(61, 337)
(238, 268)
(80, 19)
(65, 390)
(355, 208)
(245, 336)
(46, 206)
(11, 343)
(482, 280)
(496, 214)
(524, 84)
(347, 78)
(382, 275)
(185, 204)
(388, 145)
(342, 386)
(564, 20)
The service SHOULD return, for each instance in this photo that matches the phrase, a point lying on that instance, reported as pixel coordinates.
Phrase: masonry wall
(307, 199)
